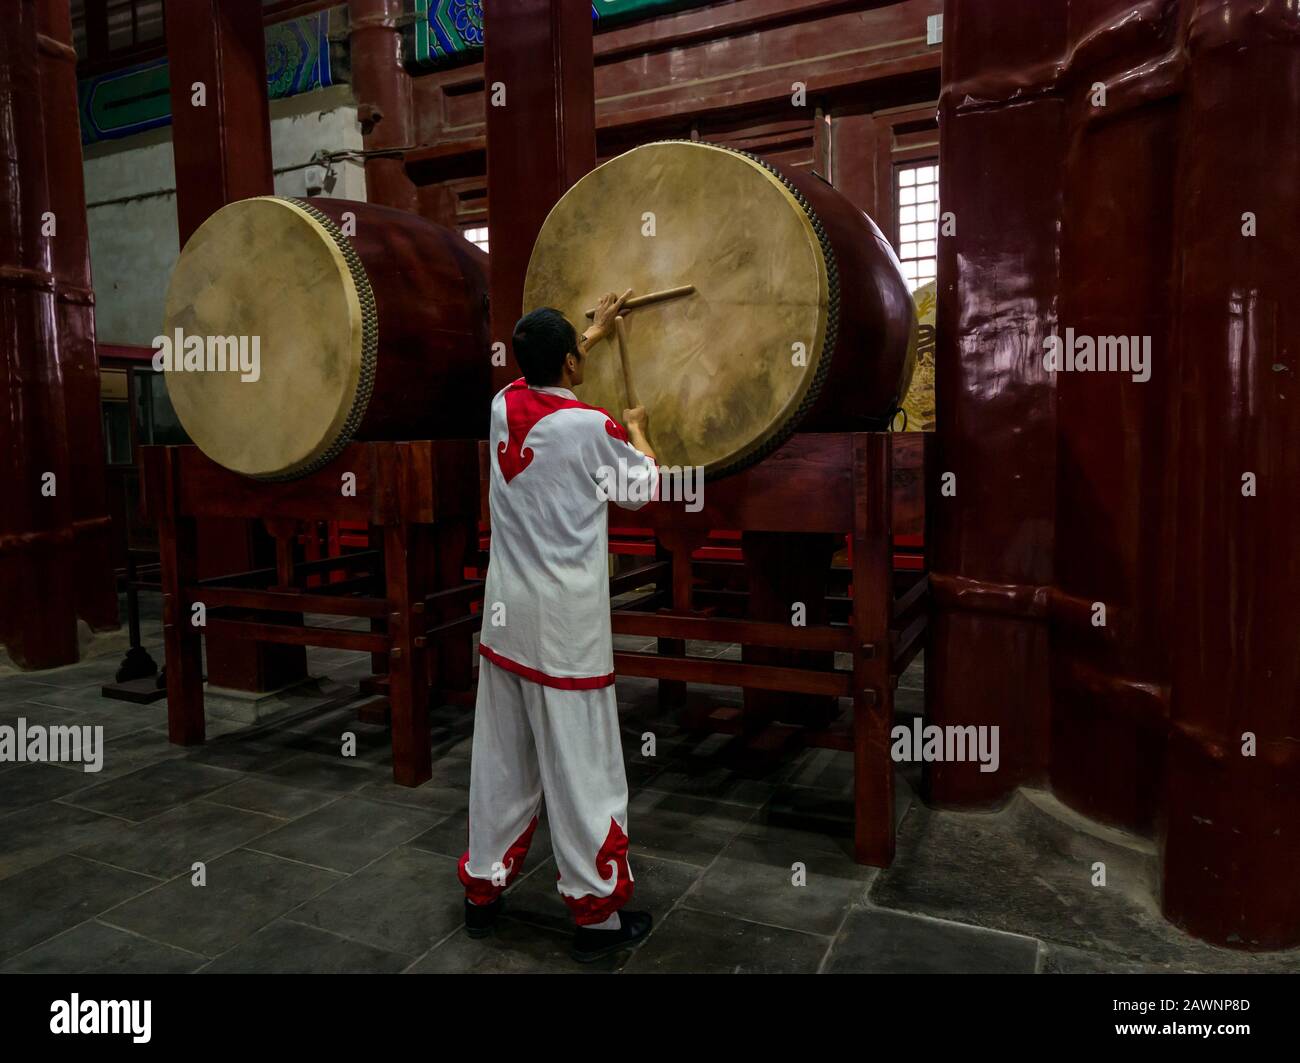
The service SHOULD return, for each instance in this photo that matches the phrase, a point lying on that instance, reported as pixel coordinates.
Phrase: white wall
(131, 204)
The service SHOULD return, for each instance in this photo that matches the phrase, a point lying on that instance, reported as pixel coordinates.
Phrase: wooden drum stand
(826, 486)
(833, 484)
(420, 500)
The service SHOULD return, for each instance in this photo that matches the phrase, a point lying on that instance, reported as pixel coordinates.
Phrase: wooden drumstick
(620, 330)
(652, 297)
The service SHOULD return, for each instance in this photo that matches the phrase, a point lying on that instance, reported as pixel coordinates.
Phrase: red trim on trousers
(611, 862)
(559, 682)
(484, 890)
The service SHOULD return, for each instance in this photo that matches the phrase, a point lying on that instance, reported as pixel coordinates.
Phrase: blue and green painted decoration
(125, 102)
(446, 31)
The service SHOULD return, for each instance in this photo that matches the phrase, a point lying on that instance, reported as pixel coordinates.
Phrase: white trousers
(532, 740)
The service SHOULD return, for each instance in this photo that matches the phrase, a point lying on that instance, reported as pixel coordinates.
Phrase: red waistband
(590, 682)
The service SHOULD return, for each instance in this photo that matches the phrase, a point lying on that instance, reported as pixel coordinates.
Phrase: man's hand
(606, 310)
(638, 427)
(636, 418)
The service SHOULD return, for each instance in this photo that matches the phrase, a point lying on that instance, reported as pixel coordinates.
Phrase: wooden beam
(289, 602)
(752, 632)
(637, 577)
(297, 635)
(733, 673)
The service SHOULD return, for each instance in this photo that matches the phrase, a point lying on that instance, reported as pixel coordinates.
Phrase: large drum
(800, 319)
(918, 412)
(370, 323)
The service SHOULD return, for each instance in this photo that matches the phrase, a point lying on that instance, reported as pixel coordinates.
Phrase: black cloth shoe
(481, 919)
(590, 945)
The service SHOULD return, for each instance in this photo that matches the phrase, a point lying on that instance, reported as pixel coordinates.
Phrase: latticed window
(103, 29)
(133, 22)
(916, 192)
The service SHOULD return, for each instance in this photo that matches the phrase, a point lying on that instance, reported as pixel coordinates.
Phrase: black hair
(541, 341)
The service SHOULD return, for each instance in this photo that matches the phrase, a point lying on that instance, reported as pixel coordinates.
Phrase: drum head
(278, 271)
(724, 373)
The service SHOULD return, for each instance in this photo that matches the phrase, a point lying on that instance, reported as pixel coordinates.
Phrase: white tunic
(546, 600)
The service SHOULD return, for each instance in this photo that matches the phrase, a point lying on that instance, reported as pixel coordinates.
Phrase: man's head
(546, 346)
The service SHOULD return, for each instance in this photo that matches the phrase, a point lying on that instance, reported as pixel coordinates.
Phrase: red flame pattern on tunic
(526, 406)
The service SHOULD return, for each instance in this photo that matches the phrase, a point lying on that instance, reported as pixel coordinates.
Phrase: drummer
(546, 718)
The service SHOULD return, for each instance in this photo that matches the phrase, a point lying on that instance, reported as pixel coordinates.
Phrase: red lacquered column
(223, 149)
(384, 106)
(1001, 148)
(539, 141)
(96, 588)
(1109, 669)
(1231, 843)
(38, 623)
(223, 153)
